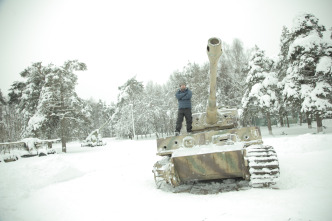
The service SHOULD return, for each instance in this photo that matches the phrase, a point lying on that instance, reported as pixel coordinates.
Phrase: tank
(217, 149)
(95, 138)
(27, 147)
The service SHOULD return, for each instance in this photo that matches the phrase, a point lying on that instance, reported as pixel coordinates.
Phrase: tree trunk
(281, 119)
(287, 120)
(0, 113)
(62, 122)
(268, 117)
(49, 144)
(309, 120)
(62, 119)
(301, 118)
(63, 139)
(319, 123)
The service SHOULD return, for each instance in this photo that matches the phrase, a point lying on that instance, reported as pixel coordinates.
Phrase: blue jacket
(184, 98)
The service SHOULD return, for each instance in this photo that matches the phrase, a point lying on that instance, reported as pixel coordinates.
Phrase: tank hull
(216, 155)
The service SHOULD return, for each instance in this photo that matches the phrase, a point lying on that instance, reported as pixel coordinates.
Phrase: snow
(312, 97)
(30, 142)
(307, 43)
(302, 20)
(261, 90)
(324, 65)
(36, 121)
(206, 149)
(115, 182)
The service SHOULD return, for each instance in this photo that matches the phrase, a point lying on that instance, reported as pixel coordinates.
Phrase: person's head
(182, 85)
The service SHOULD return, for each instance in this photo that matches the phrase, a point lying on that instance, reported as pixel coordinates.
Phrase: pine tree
(15, 92)
(2, 124)
(305, 85)
(57, 103)
(65, 101)
(88, 121)
(151, 108)
(2, 103)
(27, 94)
(281, 69)
(261, 84)
(129, 96)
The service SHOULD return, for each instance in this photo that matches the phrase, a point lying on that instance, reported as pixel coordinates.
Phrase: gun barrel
(214, 52)
(102, 126)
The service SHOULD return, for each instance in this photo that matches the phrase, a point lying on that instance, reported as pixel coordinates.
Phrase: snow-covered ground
(115, 182)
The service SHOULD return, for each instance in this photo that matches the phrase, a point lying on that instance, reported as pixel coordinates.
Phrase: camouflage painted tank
(217, 149)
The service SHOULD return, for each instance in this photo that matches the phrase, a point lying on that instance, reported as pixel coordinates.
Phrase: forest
(297, 84)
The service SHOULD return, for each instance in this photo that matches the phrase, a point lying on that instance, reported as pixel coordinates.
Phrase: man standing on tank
(184, 99)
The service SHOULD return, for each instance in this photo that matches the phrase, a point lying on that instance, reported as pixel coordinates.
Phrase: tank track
(263, 165)
(163, 171)
(159, 170)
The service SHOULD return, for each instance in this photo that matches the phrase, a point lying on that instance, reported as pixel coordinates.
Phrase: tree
(232, 73)
(2, 103)
(281, 70)
(99, 114)
(151, 109)
(197, 79)
(2, 124)
(26, 95)
(306, 83)
(15, 92)
(11, 120)
(57, 101)
(130, 94)
(61, 86)
(261, 84)
(94, 114)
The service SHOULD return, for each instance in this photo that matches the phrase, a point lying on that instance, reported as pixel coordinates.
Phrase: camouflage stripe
(210, 166)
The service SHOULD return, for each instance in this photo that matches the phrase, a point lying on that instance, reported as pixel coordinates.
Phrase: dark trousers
(186, 112)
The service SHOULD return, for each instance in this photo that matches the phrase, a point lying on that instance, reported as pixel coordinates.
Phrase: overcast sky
(150, 39)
